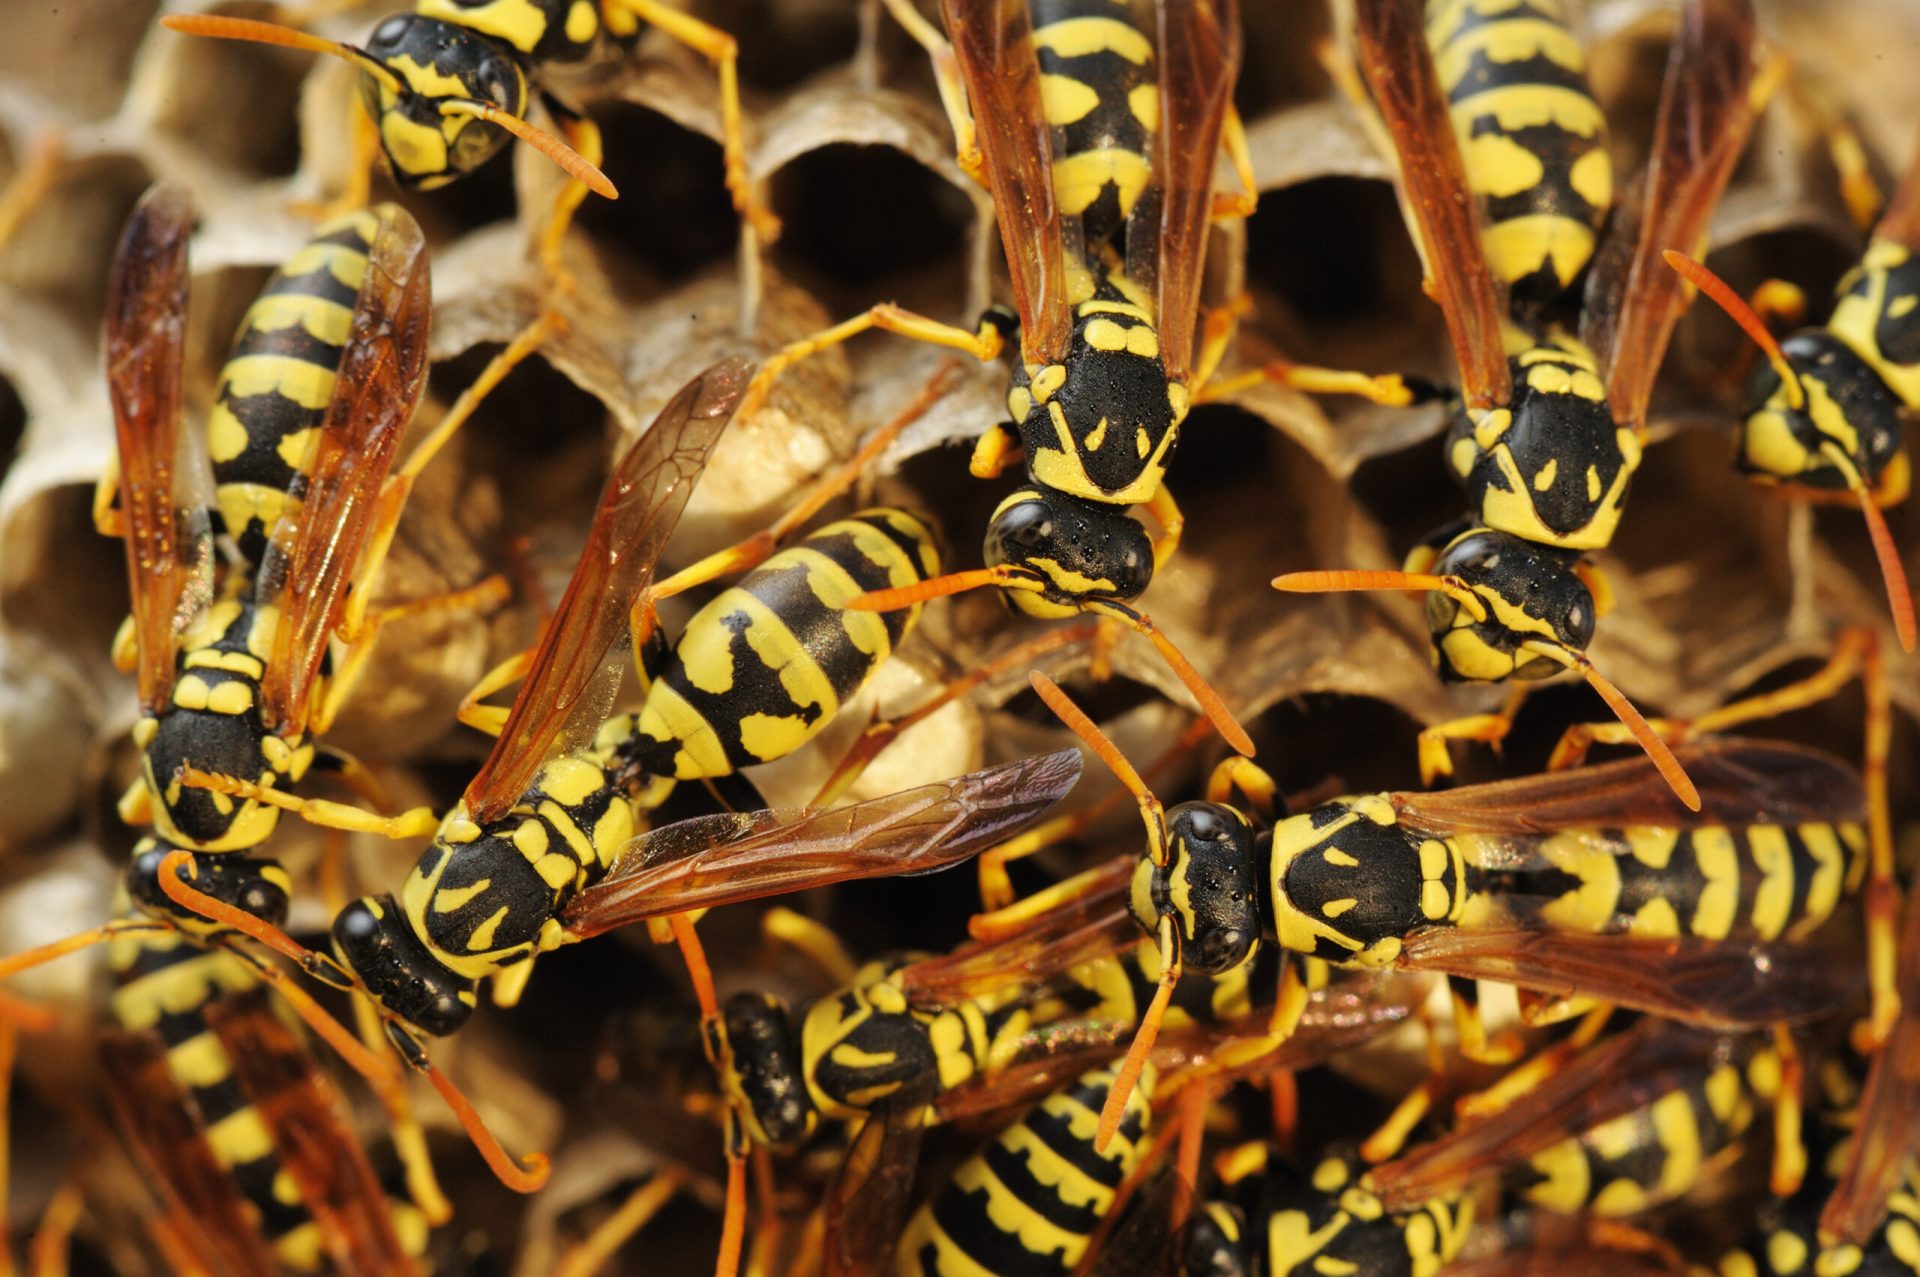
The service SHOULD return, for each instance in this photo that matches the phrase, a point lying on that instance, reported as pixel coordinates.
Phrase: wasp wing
(1627, 1072)
(866, 1205)
(993, 43)
(1199, 50)
(165, 485)
(1706, 112)
(1394, 55)
(918, 831)
(312, 556)
(642, 503)
(307, 1118)
(1740, 782)
(1710, 984)
(1888, 1129)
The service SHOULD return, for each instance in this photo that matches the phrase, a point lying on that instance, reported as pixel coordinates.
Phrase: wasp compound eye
(372, 939)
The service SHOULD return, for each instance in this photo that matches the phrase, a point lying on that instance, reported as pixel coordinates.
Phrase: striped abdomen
(765, 666)
(278, 378)
(1750, 882)
(1534, 139)
(1646, 1157)
(1030, 1201)
(1098, 88)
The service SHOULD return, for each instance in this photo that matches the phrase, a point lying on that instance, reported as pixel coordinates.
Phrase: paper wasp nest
(1720, 587)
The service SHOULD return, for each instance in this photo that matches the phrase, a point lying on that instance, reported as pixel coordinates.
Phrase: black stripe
(291, 342)
(964, 1217)
(255, 1179)
(910, 550)
(1482, 72)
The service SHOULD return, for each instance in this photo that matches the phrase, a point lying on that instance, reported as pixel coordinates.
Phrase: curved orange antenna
(254, 32)
(695, 955)
(1352, 579)
(1894, 572)
(378, 1072)
(1742, 314)
(1130, 1068)
(1663, 760)
(1107, 752)
(30, 958)
(528, 1175)
(940, 587)
(1202, 691)
(733, 1218)
(571, 162)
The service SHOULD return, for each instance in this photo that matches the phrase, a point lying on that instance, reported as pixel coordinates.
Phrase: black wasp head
(1211, 885)
(1076, 550)
(761, 1070)
(439, 65)
(1525, 596)
(258, 887)
(1842, 404)
(372, 939)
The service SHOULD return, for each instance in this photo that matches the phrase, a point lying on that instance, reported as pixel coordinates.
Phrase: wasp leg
(1172, 523)
(953, 93)
(983, 343)
(997, 448)
(1392, 1134)
(492, 719)
(1289, 1004)
(108, 519)
(1471, 1028)
(1789, 1150)
(1240, 204)
(1390, 389)
(813, 940)
(1534, 1071)
(1255, 785)
(30, 182)
(52, 1243)
(488, 593)
(591, 1253)
(1490, 729)
(416, 823)
(722, 50)
(883, 732)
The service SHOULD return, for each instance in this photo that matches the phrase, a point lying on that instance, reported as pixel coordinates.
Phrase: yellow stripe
(239, 1137)
(1718, 860)
(1513, 40)
(1520, 106)
(344, 263)
(1077, 37)
(319, 317)
(308, 385)
(666, 715)
(1773, 898)
(200, 1061)
(179, 989)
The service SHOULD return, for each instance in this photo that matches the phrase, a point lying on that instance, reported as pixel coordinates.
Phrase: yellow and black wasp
(1030, 1202)
(448, 84)
(1504, 172)
(1594, 882)
(1826, 418)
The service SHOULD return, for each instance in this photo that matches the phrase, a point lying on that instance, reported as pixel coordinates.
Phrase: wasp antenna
(21, 1014)
(733, 1217)
(256, 32)
(1130, 1068)
(31, 958)
(1663, 760)
(1353, 579)
(1202, 691)
(938, 587)
(1742, 314)
(1107, 752)
(571, 162)
(525, 1176)
(698, 971)
(1899, 594)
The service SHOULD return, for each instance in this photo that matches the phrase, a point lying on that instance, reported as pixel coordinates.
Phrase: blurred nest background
(1722, 589)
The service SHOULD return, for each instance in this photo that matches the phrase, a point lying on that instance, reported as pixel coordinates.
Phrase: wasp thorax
(1078, 550)
(763, 1073)
(372, 939)
(1525, 594)
(1209, 885)
(437, 63)
(1349, 884)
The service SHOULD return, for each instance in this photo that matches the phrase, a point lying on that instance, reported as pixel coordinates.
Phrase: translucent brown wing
(1626, 1072)
(993, 43)
(1199, 49)
(1710, 984)
(312, 557)
(316, 1146)
(1706, 112)
(1740, 782)
(1888, 1130)
(165, 1137)
(1900, 221)
(1399, 69)
(165, 486)
(639, 509)
(914, 832)
(1581, 1261)
(866, 1206)
(1093, 926)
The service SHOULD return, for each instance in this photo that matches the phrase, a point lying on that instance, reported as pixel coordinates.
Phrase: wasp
(244, 1137)
(1593, 882)
(448, 84)
(1825, 417)
(1504, 174)
(1030, 1201)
